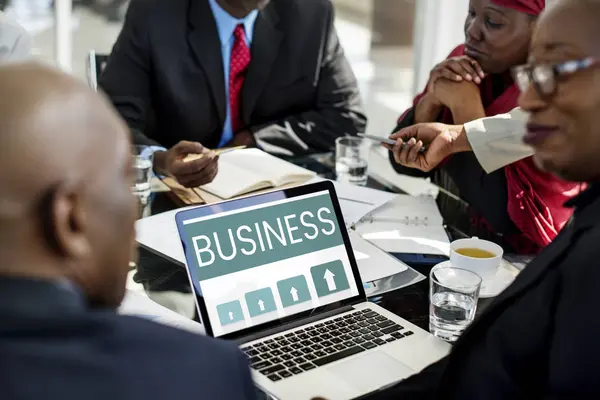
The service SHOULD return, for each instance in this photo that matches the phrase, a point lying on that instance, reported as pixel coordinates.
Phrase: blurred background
(391, 44)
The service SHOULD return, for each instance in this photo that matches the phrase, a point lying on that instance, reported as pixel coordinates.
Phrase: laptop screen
(262, 259)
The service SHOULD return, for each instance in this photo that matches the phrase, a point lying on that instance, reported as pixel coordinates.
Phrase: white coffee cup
(484, 267)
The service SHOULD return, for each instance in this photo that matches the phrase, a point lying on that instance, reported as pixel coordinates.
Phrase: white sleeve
(498, 141)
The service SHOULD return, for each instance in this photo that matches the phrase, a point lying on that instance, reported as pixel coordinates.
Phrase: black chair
(95, 65)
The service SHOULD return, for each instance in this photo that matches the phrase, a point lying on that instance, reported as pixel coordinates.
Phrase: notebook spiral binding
(416, 221)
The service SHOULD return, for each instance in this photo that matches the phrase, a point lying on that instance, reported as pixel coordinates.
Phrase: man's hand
(441, 141)
(191, 173)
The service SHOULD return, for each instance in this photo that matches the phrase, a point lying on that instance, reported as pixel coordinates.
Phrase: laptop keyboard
(293, 353)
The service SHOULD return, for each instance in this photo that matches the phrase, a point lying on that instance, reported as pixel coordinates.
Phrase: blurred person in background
(66, 239)
(519, 206)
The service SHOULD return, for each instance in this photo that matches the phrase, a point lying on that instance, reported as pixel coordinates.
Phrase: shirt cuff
(149, 151)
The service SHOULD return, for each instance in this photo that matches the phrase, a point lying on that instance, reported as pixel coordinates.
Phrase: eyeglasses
(545, 76)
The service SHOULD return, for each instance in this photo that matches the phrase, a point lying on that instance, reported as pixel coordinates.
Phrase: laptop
(276, 273)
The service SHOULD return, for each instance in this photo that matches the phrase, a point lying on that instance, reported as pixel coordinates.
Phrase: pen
(193, 157)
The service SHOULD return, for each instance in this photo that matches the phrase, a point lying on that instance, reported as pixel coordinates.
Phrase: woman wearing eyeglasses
(519, 206)
(540, 339)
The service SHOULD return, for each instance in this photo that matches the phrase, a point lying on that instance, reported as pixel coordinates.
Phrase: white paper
(159, 233)
(373, 263)
(357, 201)
(395, 238)
(407, 225)
(137, 304)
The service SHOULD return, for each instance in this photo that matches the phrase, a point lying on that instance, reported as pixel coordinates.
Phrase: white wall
(439, 27)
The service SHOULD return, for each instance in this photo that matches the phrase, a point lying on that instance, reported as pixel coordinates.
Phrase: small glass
(142, 163)
(352, 160)
(453, 296)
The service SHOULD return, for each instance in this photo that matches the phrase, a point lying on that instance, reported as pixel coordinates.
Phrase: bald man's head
(66, 209)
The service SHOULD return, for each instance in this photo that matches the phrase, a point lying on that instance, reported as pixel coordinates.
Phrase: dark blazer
(165, 76)
(52, 346)
(540, 339)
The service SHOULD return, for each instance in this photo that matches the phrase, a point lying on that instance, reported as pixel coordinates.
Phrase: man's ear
(65, 223)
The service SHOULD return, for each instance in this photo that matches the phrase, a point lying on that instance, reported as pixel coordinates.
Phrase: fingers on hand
(405, 152)
(180, 167)
(469, 70)
(406, 133)
(397, 150)
(200, 178)
(184, 148)
(478, 68)
(413, 153)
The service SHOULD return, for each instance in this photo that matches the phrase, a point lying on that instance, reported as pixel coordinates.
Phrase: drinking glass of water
(142, 164)
(453, 295)
(351, 160)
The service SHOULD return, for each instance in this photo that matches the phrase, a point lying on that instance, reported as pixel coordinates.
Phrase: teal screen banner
(247, 239)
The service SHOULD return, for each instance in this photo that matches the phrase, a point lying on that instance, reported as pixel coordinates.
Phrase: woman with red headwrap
(519, 207)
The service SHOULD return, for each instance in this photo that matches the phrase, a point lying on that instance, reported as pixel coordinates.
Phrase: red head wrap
(532, 7)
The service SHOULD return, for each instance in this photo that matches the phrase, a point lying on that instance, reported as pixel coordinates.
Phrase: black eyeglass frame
(545, 76)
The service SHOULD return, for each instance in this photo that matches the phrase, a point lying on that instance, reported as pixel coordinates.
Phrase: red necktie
(240, 59)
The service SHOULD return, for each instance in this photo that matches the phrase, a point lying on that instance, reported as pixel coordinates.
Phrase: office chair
(95, 66)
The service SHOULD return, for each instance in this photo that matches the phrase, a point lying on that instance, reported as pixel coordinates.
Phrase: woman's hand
(456, 69)
(462, 98)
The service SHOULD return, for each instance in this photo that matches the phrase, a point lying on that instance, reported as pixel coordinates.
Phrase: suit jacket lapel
(265, 46)
(206, 45)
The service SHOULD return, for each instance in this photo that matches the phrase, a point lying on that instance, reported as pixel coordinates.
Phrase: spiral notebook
(407, 224)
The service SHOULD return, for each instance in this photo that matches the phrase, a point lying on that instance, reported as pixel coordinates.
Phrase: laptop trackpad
(371, 371)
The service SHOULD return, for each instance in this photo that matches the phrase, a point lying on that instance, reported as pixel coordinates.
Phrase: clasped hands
(453, 84)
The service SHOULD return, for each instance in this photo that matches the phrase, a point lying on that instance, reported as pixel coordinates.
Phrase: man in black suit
(539, 339)
(231, 72)
(66, 238)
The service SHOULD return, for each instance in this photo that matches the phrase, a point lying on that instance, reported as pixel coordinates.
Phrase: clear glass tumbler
(142, 164)
(352, 160)
(453, 296)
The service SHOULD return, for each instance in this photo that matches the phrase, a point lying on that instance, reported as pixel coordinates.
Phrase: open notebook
(407, 224)
(249, 170)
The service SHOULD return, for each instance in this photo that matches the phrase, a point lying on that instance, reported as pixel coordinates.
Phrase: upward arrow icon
(294, 294)
(329, 278)
(261, 305)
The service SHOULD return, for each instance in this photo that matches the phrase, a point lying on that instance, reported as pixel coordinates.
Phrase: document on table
(374, 263)
(139, 305)
(159, 234)
(357, 201)
(407, 225)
